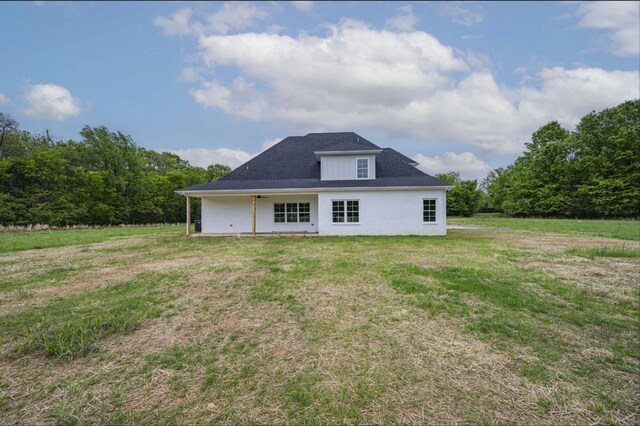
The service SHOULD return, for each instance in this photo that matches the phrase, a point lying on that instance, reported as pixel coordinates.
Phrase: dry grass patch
(100, 277)
(51, 254)
(608, 278)
(556, 242)
(471, 328)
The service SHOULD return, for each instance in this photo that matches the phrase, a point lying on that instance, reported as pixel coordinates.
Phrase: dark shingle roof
(404, 157)
(349, 146)
(384, 182)
(292, 163)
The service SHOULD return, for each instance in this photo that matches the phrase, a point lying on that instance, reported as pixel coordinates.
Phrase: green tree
(464, 198)
(592, 172)
(103, 179)
(7, 125)
(216, 171)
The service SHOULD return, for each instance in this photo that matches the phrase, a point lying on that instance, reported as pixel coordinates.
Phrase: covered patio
(269, 213)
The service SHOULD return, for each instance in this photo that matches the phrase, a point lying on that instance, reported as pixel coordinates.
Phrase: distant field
(27, 240)
(146, 326)
(623, 229)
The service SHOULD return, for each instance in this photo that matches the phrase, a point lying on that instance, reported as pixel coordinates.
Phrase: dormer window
(362, 165)
(339, 163)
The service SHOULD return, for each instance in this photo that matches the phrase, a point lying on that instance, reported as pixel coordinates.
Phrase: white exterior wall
(232, 214)
(344, 167)
(393, 212)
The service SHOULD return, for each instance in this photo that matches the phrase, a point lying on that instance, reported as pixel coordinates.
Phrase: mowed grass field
(481, 326)
(622, 229)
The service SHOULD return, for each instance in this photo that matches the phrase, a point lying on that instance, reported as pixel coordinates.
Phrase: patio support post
(188, 215)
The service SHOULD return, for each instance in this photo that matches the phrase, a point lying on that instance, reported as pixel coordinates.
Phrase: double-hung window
(278, 213)
(346, 211)
(304, 212)
(429, 210)
(362, 168)
(291, 213)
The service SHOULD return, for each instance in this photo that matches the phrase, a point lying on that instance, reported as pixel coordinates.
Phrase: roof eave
(205, 192)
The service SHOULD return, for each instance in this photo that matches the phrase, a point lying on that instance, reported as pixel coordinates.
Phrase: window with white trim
(362, 166)
(304, 212)
(292, 212)
(346, 211)
(429, 210)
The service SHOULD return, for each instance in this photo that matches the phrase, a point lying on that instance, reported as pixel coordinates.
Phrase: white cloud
(400, 83)
(232, 15)
(405, 20)
(303, 6)
(203, 157)
(3, 99)
(469, 166)
(50, 101)
(568, 94)
(178, 24)
(463, 15)
(241, 98)
(189, 75)
(354, 68)
(622, 18)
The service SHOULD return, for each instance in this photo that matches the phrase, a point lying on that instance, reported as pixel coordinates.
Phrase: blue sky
(457, 86)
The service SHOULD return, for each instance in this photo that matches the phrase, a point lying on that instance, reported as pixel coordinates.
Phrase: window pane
(429, 210)
(305, 217)
(304, 207)
(338, 211)
(353, 211)
(363, 168)
(278, 212)
(292, 212)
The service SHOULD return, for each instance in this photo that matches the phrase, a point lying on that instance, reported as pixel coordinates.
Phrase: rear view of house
(325, 183)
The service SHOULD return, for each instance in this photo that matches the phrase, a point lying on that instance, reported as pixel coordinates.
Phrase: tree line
(106, 179)
(592, 172)
(102, 179)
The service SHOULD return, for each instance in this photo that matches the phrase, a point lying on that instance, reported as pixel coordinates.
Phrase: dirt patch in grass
(97, 278)
(555, 243)
(224, 272)
(34, 267)
(66, 252)
(606, 277)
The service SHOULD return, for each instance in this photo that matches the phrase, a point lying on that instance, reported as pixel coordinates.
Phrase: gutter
(252, 191)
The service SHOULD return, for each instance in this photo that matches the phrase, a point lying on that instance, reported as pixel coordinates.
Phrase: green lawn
(481, 326)
(623, 229)
(15, 241)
